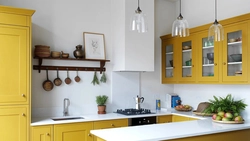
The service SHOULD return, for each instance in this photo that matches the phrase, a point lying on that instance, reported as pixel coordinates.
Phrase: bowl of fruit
(226, 110)
(184, 108)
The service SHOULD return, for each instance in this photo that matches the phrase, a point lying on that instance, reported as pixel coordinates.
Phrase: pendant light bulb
(216, 31)
(138, 21)
(180, 26)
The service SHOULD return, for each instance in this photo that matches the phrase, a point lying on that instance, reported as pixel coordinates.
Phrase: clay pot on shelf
(79, 52)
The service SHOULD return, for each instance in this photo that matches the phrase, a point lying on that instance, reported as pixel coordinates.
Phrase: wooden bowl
(55, 54)
(42, 51)
(65, 55)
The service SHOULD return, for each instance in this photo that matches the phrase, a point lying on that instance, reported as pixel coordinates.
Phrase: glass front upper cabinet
(235, 53)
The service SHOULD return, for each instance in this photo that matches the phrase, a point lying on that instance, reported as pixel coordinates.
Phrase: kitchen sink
(66, 118)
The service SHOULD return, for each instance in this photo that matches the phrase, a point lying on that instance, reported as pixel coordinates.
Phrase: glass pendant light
(180, 26)
(138, 22)
(216, 31)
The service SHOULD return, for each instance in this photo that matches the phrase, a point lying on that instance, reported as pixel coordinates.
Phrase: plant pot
(101, 109)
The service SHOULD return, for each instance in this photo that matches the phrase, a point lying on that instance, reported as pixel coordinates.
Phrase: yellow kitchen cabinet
(164, 119)
(15, 73)
(110, 123)
(14, 121)
(220, 70)
(240, 135)
(73, 132)
(208, 70)
(104, 124)
(42, 133)
(239, 31)
(176, 118)
(169, 66)
(187, 58)
(15, 88)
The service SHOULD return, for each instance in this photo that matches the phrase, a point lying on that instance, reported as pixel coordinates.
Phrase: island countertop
(168, 131)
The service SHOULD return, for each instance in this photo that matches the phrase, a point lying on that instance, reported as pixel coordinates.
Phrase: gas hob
(132, 111)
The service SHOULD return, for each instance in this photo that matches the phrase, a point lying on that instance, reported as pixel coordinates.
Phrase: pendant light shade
(216, 31)
(138, 22)
(180, 26)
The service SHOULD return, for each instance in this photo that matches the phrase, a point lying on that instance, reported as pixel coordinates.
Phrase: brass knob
(23, 95)
(224, 63)
(174, 67)
(23, 114)
(47, 134)
(215, 64)
(192, 65)
(112, 125)
(89, 135)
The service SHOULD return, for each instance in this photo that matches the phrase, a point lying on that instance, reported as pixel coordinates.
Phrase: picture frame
(94, 44)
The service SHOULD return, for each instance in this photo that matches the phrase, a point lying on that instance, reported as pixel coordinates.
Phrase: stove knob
(148, 121)
(139, 122)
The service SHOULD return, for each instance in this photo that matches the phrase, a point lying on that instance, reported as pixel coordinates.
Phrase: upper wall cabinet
(205, 62)
(132, 51)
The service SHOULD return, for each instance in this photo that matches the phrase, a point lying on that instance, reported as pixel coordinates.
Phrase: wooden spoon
(67, 80)
(77, 78)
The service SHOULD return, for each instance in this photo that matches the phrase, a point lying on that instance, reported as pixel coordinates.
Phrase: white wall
(60, 23)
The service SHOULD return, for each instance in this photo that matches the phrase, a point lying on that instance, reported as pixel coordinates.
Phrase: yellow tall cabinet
(15, 73)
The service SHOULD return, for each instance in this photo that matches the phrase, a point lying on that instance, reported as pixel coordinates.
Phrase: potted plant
(101, 101)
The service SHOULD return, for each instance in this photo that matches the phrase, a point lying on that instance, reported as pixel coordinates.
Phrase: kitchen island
(197, 130)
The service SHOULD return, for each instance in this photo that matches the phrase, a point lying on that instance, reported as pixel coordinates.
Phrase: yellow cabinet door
(187, 59)
(110, 124)
(14, 123)
(231, 66)
(176, 118)
(73, 132)
(14, 62)
(168, 66)
(208, 66)
(42, 133)
(164, 119)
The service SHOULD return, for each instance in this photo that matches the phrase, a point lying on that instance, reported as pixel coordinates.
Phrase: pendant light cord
(215, 9)
(138, 3)
(180, 6)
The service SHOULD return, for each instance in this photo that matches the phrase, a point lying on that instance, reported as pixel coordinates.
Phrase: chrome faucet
(66, 104)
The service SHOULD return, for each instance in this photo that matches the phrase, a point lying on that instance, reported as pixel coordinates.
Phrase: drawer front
(14, 19)
(110, 123)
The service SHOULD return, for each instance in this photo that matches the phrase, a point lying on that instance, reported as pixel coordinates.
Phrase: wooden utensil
(57, 81)
(67, 80)
(77, 78)
(47, 84)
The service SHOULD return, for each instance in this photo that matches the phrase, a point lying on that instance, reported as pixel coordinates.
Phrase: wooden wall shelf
(40, 67)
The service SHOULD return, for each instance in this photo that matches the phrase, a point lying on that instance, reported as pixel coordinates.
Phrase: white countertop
(167, 131)
(152, 132)
(108, 116)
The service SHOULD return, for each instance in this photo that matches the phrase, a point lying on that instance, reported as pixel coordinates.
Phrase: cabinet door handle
(224, 63)
(215, 64)
(47, 134)
(192, 65)
(89, 135)
(23, 95)
(23, 114)
(112, 125)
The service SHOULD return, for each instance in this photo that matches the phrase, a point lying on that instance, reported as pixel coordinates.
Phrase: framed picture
(94, 45)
